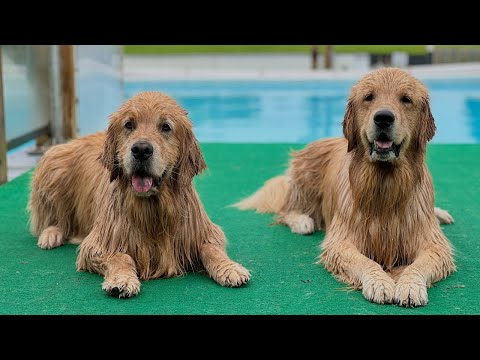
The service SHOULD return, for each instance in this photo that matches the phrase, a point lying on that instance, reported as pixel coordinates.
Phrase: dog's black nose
(384, 118)
(142, 150)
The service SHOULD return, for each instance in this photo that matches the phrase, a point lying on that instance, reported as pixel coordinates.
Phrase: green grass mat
(285, 278)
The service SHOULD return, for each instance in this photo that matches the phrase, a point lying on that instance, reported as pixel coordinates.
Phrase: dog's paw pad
(122, 286)
(50, 238)
(379, 289)
(233, 275)
(302, 224)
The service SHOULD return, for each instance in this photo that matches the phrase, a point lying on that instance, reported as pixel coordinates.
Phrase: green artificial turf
(285, 278)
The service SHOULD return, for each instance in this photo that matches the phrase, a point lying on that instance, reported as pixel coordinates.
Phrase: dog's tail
(270, 198)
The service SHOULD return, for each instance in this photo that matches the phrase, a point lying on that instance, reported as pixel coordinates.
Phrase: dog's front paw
(122, 286)
(232, 275)
(411, 290)
(50, 238)
(302, 224)
(443, 216)
(378, 287)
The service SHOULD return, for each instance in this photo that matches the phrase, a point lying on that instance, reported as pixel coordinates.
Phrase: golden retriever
(127, 196)
(371, 192)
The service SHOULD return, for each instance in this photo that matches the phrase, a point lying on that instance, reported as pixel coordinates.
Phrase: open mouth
(143, 183)
(384, 149)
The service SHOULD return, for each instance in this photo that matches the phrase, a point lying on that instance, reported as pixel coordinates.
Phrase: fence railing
(455, 55)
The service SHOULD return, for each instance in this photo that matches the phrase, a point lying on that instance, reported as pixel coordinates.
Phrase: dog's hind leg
(77, 240)
(297, 222)
(443, 216)
(50, 220)
(51, 237)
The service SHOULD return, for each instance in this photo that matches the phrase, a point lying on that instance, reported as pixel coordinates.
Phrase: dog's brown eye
(406, 99)
(166, 127)
(369, 97)
(128, 125)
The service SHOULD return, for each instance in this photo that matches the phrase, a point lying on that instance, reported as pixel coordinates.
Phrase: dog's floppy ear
(349, 127)
(426, 128)
(191, 160)
(109, 158)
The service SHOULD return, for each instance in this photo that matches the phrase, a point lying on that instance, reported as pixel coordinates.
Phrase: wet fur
(382, 233)
(82, 190)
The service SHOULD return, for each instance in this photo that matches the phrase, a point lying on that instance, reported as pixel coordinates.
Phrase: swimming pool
(302, 111)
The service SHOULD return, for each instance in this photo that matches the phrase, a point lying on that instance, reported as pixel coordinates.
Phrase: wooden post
(314, 56)
(3, 134)
(67, 80)
(328, 56)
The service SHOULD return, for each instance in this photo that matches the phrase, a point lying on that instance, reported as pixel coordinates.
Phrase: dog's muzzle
(142, 180)
(383, 148)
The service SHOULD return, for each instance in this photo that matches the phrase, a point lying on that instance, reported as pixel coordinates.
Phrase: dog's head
(388, 114)
(150, 140)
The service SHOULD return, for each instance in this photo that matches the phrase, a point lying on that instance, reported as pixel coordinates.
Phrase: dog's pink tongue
(142, 184)
(383, 144)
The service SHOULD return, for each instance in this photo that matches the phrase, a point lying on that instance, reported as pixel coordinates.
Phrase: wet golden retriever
(371, 192)
(127, 196)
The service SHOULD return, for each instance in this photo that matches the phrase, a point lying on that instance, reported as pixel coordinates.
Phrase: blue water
(302, 111)
(24, 146)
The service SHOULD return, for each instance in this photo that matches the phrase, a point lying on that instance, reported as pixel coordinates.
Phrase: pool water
(302, 111)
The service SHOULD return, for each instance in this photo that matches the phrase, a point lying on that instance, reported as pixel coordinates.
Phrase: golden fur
(83, 190)
(382, 234)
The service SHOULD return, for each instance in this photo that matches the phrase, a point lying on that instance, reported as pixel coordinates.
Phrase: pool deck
(270, 67)
(20, 161)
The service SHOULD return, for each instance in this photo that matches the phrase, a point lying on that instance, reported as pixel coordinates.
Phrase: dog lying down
(127, 197)
(372, 193)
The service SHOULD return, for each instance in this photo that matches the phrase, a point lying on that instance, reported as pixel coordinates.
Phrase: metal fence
(455, 55)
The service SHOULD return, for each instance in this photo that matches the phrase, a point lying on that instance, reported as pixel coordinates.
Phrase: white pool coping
(268, 67)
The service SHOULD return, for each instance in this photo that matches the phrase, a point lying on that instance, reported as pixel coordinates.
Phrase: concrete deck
(270, 67)
(20, 161)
